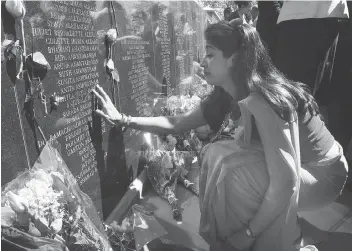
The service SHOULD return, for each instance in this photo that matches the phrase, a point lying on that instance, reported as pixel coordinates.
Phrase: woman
(248, 174)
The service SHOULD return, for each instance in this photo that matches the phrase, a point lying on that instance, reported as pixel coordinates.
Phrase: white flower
(110, 65)
(43, 202)
(171, 142)
(16, 202)
(16, 8)
(33, 230)
(56, 225)
(138, 186)
(38, 60)
(26, 193)
(9, 49)
(111, 36)
(44, 221)
(166, 161)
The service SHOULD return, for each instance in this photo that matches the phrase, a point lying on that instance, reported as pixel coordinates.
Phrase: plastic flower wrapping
(44, 209)
(137, 230)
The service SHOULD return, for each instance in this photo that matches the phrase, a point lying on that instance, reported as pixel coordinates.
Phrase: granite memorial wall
(67, 53)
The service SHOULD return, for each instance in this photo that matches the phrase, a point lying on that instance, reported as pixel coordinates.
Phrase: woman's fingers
(108, 110)
(102, 93)
(101, 99)
(102, 114)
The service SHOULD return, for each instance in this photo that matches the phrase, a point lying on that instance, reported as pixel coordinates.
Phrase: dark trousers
(340, 105)
(318, 52)
(305, 52)
(268, 37)
(266, 23)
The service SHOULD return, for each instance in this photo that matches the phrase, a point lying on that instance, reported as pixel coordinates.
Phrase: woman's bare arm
(158, 125)
(170, 124)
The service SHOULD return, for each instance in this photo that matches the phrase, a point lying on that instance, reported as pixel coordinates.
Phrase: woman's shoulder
(260, 108)
(254, 101)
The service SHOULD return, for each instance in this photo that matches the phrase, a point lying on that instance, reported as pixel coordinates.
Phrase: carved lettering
(41, 32)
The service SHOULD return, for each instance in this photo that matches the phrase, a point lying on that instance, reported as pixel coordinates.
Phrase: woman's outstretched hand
(108, 110)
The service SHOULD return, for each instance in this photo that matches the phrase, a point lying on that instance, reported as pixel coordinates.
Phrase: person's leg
(340, 105)
(280, 235)
(266, 24)
(349, 160)
(321, 185)
(232, 184)
(268, 37)
(318, 191)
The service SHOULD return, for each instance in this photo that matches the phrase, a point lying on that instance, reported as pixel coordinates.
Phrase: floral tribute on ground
(169, 158)
(44, 209)
(137, 230)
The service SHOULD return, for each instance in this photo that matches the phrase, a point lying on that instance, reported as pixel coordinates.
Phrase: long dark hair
(254, 71)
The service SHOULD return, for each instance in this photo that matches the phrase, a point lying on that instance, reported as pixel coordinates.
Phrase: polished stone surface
(153, 57)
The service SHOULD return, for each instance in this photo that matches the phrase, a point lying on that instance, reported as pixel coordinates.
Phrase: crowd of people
(270, 154)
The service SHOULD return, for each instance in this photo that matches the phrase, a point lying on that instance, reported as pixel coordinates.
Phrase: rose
(111, 36)
(16, 202)
(9, 49)
(109, 65)
(16, 8)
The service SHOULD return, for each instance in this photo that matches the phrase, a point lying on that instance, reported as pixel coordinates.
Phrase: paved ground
(331, 226)
(185, 233)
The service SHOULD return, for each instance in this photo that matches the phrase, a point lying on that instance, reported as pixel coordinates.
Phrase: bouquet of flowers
(165, 168)
(169, 159)
(44, 209)
(178, 105)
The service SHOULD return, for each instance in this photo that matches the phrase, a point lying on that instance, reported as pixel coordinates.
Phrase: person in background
(243, 11)
(255, 14)
(227, 13)
(340, 101)
(349, 160)
(306, 43)
(266, 24)
(252, 181)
